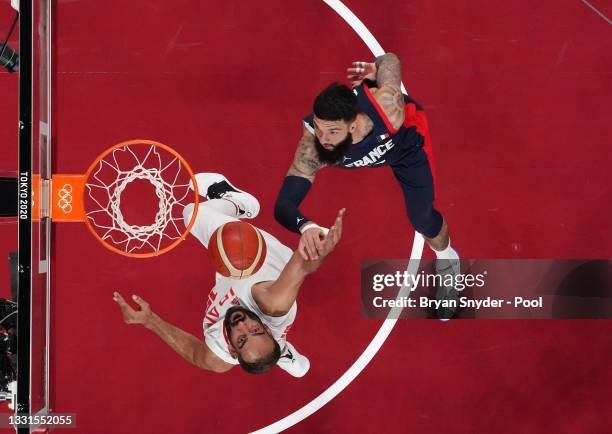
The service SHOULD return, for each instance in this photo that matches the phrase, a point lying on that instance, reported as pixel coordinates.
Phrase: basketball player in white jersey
(246, 321)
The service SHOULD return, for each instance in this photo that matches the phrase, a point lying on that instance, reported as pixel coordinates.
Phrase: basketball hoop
(98, 198)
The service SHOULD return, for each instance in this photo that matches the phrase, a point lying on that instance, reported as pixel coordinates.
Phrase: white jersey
(231, 292)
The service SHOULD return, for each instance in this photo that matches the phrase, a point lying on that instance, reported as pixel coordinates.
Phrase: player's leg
(207, 220)
(416, 181)
(228, 199)
(225, 204)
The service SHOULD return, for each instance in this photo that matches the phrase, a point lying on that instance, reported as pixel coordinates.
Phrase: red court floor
(518, 100)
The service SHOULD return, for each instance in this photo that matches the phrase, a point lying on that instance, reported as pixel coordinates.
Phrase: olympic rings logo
(65, 198)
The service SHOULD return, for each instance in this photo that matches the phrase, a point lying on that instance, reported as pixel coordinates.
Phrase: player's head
(335, 114)
(251, 341)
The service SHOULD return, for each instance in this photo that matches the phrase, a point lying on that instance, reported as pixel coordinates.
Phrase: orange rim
(195, 191)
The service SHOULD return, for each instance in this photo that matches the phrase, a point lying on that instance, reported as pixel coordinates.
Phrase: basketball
(237, 250)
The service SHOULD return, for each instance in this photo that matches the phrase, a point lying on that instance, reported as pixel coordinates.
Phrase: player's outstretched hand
(311, 243)
(131, 315)
(360, 71)
(333, 236)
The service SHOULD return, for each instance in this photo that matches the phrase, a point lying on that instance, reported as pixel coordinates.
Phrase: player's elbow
(279, 209)
(213, 368)
(203, 358)
(391, 57)
(276, 309)
(284, 209)
(207, 364)
(217, 369)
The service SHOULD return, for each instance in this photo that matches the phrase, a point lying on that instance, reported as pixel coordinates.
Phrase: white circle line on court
(387, 326)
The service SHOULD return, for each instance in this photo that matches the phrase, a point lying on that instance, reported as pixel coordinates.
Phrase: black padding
(8, 197)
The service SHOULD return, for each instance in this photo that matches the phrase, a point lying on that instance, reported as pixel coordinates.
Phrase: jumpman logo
(289, 354)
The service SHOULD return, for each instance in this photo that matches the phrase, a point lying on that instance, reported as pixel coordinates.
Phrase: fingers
(359, 71)
(318, 241)
(306, 247)
(338, 223)
(331, 240)
(143, 304)
(311, 243)
(335, 236)
(126, 309)
(353, 76)
(335, 232)
(302, 249)
(359, 66)
(119, 299)
(356, 72)
(355, 83)
(311, 248)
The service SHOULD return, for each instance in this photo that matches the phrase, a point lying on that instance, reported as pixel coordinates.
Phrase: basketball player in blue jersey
(371, 125)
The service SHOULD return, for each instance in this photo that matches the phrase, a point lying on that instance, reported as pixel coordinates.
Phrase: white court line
(597, 11)
(368, 354)
(387, 326)
(359, 28)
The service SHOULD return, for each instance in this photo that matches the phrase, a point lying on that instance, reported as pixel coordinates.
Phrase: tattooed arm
(297, 183)
(389, 94)
(306, 162)
(295, 187)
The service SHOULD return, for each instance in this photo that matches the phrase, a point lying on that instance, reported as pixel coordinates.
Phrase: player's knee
(187, 213)
(428, 223)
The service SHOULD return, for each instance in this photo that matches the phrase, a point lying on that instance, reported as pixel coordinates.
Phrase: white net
(108, 209)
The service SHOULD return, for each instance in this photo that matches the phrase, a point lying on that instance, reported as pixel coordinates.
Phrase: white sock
(448, 253)
(223, 206)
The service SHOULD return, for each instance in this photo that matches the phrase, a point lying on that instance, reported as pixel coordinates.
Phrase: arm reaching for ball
(275, 298)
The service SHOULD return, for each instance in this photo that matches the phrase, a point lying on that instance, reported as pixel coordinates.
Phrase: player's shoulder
(307, 150)
(306, 161)
(213, 356)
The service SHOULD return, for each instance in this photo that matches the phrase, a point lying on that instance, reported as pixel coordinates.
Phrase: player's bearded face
(240, 323)
(332, 155)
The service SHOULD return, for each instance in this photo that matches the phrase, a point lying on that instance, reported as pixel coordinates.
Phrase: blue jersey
(384, 145)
